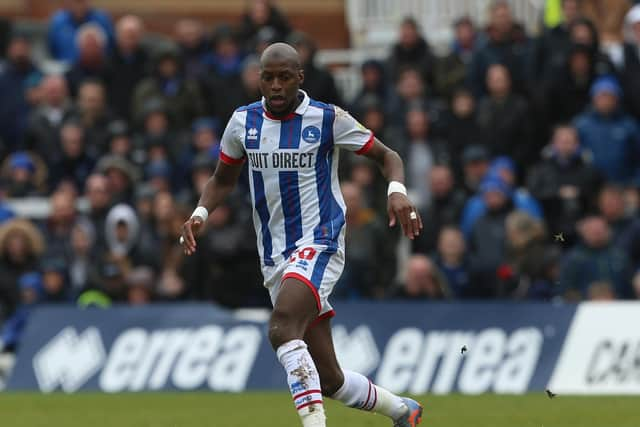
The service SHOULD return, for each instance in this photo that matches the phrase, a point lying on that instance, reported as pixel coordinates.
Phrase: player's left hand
(401, 210)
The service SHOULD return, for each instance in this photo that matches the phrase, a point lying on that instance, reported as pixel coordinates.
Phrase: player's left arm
(399, 206)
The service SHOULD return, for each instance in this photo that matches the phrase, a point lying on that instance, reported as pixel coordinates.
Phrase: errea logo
(252, 133)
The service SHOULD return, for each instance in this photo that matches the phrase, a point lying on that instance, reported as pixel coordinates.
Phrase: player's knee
(283, 328)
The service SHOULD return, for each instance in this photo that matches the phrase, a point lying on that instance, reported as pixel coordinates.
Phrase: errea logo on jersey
(311, 134)
(252, 133)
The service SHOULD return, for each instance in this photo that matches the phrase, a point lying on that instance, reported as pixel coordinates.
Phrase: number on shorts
(305, 253)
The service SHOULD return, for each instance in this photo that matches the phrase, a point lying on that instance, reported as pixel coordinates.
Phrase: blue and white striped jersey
(293, 172)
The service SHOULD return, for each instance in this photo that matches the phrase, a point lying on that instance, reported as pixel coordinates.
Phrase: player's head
(280, 78)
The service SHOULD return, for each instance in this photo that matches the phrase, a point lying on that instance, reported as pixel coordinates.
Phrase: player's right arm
(219, 186)
(221, 183)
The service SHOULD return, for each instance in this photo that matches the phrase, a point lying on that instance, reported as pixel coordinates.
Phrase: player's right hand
(190, 229)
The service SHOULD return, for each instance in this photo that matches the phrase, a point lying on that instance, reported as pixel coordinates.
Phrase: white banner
(601, 354)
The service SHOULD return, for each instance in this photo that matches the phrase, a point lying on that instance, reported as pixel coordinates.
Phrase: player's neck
(294, 106)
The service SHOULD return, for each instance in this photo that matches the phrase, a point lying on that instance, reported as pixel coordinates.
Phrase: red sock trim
(307, 282)
(375, 397)
(304, 393)
(304, 405)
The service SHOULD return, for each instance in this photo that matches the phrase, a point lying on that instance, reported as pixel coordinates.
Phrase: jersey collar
(302, 108)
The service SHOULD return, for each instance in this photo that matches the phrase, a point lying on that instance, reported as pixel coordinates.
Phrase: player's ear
(301, 75)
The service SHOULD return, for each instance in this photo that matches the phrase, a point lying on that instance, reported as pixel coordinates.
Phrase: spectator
(121, 177)
(44, 122)
(21, 245)
(15, 71)
(527, 251)
(318, 82)
(97, 193)
(55, 279)
(549, 52)
(487, 237)
(193, 45)
(567, 91)
(92, 61)
(23, 178)
(411, 51)
(421, 153)
(260, 15)
(168, 83)
(226, 253)
(629, 74)
(452, 260)
(120, 143)
(204, 141)
(611, 135)
(60, 222)
(564, 182)
(409, 93)
(503, 169)
(369, 265)
(140, 283)
(122, 233)
(506, 44)
(65, 24)
(504, 118)
(224, 61)
(224, 99)
(475, 164)
(595, 259)
(583, 32)
(444, 209)
(128, 62)
(374, 87)
(422, 281)
(451, 70)
(74, 164)
(94, 114)
(612, 208)
(82, 256)
(460, 128)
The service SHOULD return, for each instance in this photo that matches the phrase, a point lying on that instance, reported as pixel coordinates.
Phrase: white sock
(304, 382)
(360, 393)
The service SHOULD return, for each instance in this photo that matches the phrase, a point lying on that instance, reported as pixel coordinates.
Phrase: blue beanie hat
(495, 183)
(503, 162)
(606, 84)
(21, 160)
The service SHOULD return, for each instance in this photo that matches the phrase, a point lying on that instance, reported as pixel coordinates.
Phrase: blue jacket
(615, 144)
(476, 207)
(62, 33)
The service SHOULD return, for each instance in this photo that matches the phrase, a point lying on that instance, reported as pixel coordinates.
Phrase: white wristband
(396, 187)
(201, 212)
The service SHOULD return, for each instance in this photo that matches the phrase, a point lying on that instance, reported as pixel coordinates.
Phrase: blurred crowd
(522, 152)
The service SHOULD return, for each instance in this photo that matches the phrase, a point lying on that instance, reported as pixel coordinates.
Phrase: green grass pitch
(276, 410)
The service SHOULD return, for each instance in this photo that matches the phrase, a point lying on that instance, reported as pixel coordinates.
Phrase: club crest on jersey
(252, 133)
(311, 134)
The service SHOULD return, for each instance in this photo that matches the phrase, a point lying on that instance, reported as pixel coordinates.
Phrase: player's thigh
(293, 311)
(320, 344)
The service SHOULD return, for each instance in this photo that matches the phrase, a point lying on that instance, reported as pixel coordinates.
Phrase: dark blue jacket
(62, 32)
(615, 143)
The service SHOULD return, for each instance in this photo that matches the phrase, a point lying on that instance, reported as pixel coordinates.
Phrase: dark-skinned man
(291, 143)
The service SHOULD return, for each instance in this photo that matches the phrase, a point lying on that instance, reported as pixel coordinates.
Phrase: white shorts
(317, 266)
